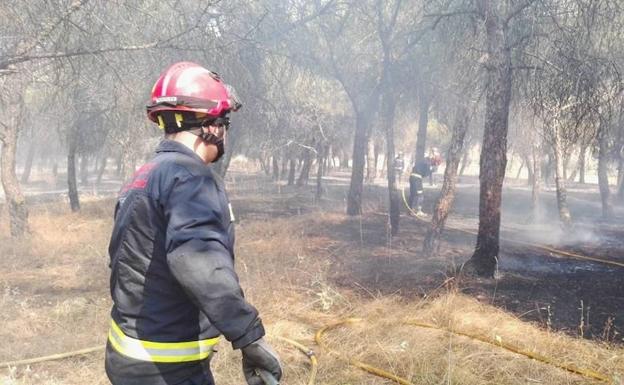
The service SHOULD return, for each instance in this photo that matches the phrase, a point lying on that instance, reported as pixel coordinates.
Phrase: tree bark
(494, 150)
(465, 160)
(323, 151)
(363, 118)
(18, 211)
(292, 169)
(603, 177)
(102, 168)
(447, 194)
(582, 165)
(387, 117)
(72, 185)
(562, 194)
(354, 199)
(304, 175)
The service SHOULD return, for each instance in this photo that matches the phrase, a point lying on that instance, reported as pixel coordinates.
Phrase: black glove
(258, 356)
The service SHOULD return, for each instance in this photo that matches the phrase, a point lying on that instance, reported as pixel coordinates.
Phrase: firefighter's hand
(259, 356)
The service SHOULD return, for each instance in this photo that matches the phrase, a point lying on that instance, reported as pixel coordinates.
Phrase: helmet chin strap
(209, 138)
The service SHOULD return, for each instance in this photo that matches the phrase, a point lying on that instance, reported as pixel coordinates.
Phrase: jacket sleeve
(202, 264)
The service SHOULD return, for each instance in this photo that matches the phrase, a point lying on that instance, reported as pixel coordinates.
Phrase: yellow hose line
(51, 357)
(308, 352)
(318, 337)
(588, 373)
(524, 243)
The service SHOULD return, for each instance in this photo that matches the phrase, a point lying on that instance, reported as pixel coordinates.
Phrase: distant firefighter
(421, 170)
(436, 160)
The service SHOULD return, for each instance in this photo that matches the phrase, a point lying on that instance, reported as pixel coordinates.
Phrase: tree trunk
(30, 156)
(566, 164)
(494, 149)
(323, 151)
(304, 176)
(465, 160)
(447, 194)
(387, 117)
(354, 199)
(582, 165)
(562, 193)
(101, 169)
(292, 170)
(18, 211)
(72, 185)
(423, 119)
(603, 177)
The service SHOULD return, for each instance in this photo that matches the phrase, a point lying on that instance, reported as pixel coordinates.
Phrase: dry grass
(54, 296)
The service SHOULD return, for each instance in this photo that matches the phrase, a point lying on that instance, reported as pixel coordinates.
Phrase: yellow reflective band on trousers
(159, 351)
(416, 175)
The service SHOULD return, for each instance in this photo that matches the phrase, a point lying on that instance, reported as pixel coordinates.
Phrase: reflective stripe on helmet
(159, 351)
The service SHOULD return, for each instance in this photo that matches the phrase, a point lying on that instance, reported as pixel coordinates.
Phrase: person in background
(436, 160)
(173, 283)
(420, 170)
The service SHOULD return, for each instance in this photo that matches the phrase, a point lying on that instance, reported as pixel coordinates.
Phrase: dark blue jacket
(172, 263)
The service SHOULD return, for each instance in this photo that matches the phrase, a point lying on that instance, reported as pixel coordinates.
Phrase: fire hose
(587, 373)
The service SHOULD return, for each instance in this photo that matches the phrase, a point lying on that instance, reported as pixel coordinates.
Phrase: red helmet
(189, 87)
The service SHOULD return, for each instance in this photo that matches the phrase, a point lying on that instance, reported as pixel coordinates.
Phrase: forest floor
(305, 264)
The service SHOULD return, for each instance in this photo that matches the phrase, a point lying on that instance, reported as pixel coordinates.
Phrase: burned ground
(575, 296)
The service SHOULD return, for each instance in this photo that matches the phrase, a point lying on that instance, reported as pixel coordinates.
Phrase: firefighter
(420, 170)
(173, 283)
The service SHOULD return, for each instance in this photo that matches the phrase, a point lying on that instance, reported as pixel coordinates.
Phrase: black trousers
(416, 191)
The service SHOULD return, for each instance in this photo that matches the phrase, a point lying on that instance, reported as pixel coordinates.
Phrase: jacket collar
(168, 145)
